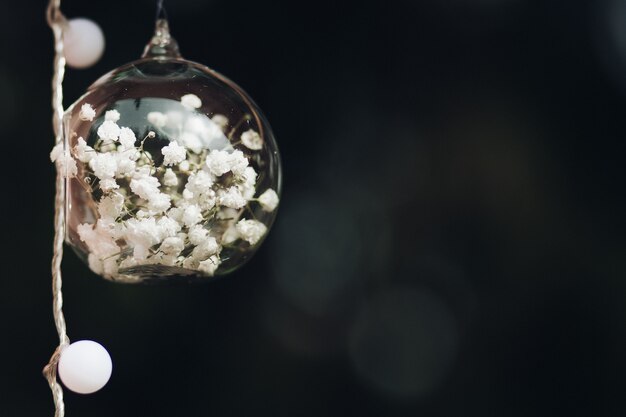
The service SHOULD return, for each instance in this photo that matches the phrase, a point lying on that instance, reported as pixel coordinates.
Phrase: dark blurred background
(451, 239)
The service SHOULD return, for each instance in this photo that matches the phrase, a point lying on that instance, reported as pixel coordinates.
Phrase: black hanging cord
(160, 12)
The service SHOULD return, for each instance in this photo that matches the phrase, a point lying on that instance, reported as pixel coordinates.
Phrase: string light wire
(57, 23)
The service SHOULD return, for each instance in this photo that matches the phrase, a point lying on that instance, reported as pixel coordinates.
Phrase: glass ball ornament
(178, 175)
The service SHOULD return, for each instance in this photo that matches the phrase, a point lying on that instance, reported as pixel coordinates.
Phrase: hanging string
(161, 13)
(57, 23)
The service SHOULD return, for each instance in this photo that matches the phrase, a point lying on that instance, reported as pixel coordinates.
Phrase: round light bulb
(84, 43)
(85, 366)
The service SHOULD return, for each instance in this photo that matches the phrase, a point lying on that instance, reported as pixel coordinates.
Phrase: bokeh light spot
(403, 342)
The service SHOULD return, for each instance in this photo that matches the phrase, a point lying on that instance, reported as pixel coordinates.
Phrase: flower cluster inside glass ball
(178, 205)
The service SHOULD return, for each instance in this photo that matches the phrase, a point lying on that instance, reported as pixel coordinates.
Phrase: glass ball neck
(162, 45)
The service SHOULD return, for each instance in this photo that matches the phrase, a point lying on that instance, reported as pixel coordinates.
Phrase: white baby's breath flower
(95, 264)
(252, 140)
(191, 101)
(145, 187)
(87, 113)
(144, 213)
(238, 162)
(108, 184)
(248, 184)
(173, 153)
(114, 229)
(197, 234)
(191, 263)
(207, 200)
(249, 176)
(162, 259)
(125, 165)
(168, 227)
(133, 154)
(56, 152)
(268, 200)
(112, 115)
(109, 131)
(182, 204)
(231, 198)
(206, 248)
(176, 214)
(127, 138)
(83, 152)
(220, 120)
(199, 182)
(192, 215)
(110, 266)
(251, 230)
(169, 178)
(172, 246)
(218, 162)
(187, 195)
(210, 265)
(157, 118)
(111, 206)
(99, 240)
(198, 189)
(142, 233)
(159, 202)
(103, 165)
(66, 165)
(141, 252)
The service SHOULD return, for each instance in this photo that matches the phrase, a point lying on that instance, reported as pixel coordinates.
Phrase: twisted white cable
(57, 22)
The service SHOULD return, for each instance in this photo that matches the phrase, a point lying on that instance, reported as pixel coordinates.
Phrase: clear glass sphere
(178, 173)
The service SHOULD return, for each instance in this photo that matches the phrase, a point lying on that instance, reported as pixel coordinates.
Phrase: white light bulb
(84, 43)
(85, 366)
